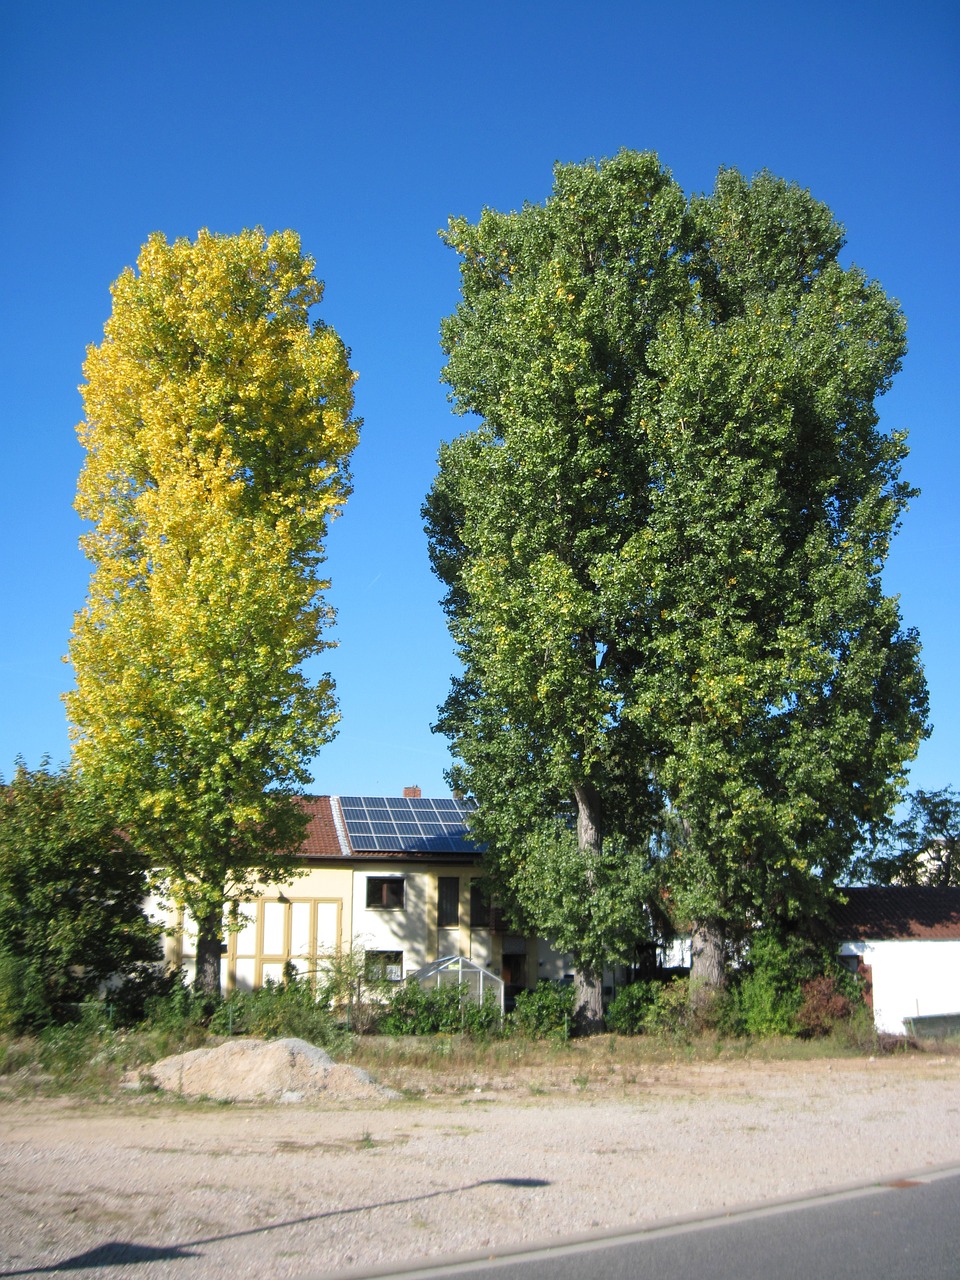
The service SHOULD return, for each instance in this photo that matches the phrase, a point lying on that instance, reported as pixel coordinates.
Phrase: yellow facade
(387, 907)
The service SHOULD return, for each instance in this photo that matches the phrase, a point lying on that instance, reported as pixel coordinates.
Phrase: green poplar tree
(662, 548)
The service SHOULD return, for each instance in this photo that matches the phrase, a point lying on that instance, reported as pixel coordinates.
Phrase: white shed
(906, 944)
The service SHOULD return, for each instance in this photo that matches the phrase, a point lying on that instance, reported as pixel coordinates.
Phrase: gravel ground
(151, 1188)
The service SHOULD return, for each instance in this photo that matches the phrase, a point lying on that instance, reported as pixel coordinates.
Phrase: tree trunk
(588, 982)
(209, 948)
(588, 1002)
(708, 972)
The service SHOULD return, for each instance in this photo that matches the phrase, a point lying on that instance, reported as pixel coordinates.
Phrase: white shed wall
(911, 978)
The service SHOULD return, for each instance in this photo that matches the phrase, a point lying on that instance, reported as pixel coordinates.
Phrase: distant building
(905, 943)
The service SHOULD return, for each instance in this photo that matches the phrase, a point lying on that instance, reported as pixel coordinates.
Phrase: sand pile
(251, 1070)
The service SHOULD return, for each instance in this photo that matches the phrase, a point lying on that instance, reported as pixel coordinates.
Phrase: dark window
(482, 914)
(448, 901)
(385, 893)
(479, 906)
(514, 971)
(383, 966)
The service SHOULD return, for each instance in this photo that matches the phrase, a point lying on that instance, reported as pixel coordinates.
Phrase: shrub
(822, 1006)
(353, 989)
(22, 999)
(287, 1008)
(544, 1011)
(127, 1000)
(71, 898)
(670, 1013)
(631, 1007)
(447, 1009)
(767, 991)
(482, 1018)
(178, 1009)
(792, 986)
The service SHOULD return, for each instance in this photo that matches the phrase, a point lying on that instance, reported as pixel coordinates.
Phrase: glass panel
(246, 974)
(247, 936)
(300, 929)
(274, 915)
(273, 973)
(327, 926)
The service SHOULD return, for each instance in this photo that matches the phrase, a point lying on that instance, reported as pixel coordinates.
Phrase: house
(396, 875)
(905, 942)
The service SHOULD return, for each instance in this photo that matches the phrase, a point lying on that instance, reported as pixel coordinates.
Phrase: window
(383, 966)
(385, 893)
(482, 915)
(448, 902)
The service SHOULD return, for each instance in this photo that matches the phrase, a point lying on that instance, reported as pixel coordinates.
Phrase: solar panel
(414, 825)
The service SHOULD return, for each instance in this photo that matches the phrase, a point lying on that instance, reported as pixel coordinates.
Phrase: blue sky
(364, 126)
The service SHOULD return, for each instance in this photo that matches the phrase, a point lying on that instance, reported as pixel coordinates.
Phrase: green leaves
(71, 895)
(662, 546)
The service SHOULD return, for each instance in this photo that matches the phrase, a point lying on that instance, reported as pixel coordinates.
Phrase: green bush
(178, 1009)
(443, 1010)
(630, 1009)
(484, 1018)
(790, 986)
(71, 898)
(670, 1013)
(146, 986)
(22, 999)
(353, 988)
(287, 1008)
(545, 1011)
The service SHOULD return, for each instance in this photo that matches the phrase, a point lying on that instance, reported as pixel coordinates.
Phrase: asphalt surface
(907, 1229)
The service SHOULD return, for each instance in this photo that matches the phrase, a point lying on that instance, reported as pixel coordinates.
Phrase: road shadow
(116, 1253)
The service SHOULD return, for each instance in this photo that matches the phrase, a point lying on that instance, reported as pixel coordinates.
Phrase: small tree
(217, 434)
(71, 895)
(924, 847)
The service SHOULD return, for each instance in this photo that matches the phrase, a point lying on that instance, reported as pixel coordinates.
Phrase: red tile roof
(895, 912)
(324, 840)
(321, 840)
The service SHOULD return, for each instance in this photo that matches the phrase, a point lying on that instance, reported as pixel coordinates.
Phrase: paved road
(908, 1230)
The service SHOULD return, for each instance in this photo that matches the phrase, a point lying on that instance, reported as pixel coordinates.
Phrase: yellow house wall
(412, 930)
(326, 909)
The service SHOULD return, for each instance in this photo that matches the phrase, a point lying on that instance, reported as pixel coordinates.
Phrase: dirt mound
(257, 1070)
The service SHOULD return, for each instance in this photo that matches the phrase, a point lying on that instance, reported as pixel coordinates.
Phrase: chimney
(411, 793)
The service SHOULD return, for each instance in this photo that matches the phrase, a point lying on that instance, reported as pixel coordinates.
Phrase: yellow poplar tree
(218, 432)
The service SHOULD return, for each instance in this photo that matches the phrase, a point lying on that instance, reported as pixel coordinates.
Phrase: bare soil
(477, 1158)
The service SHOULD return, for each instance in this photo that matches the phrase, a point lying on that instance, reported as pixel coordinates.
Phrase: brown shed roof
(897, 912)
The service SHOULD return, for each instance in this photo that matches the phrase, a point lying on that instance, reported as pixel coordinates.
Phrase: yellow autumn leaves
(217, 432)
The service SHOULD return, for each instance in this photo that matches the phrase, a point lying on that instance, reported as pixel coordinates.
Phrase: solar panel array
(396, 824)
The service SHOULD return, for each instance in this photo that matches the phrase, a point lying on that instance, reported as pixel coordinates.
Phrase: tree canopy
(662, 545)
(217, 433)
(71, 897)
